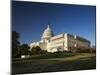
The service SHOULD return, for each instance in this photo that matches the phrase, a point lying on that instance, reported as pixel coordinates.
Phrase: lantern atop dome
(47, 34)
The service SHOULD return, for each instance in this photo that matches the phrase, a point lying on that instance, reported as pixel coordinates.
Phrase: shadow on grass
(45, 56)
(40, 66)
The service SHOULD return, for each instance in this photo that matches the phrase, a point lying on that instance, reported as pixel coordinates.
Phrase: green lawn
(55, 62)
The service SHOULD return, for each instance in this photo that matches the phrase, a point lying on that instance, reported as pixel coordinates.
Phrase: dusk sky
(29, 19)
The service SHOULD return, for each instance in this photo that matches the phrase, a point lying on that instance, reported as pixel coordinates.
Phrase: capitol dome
(47, 34)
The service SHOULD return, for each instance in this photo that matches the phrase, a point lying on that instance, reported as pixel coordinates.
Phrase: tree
(33, 51)
(36, 50)
(24, 49)
(15, 43)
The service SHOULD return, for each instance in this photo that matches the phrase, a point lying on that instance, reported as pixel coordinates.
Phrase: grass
(48, 55)
(55, 62)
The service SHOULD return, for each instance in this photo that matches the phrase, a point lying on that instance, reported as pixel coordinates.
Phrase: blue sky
(29, 19)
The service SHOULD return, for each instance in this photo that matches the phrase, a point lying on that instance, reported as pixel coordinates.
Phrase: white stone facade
(61, 42)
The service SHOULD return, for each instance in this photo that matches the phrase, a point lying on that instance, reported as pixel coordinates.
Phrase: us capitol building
(61, 42)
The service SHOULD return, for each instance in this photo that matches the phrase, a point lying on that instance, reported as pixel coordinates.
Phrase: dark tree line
(37, 50)
(24, 49)
(17, 48)
(15, 43)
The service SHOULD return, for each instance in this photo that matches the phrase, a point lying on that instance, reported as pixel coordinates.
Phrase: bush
(86, 51)
(37, 50)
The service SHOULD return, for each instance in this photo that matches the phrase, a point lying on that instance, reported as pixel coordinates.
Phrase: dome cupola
(47, 34)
